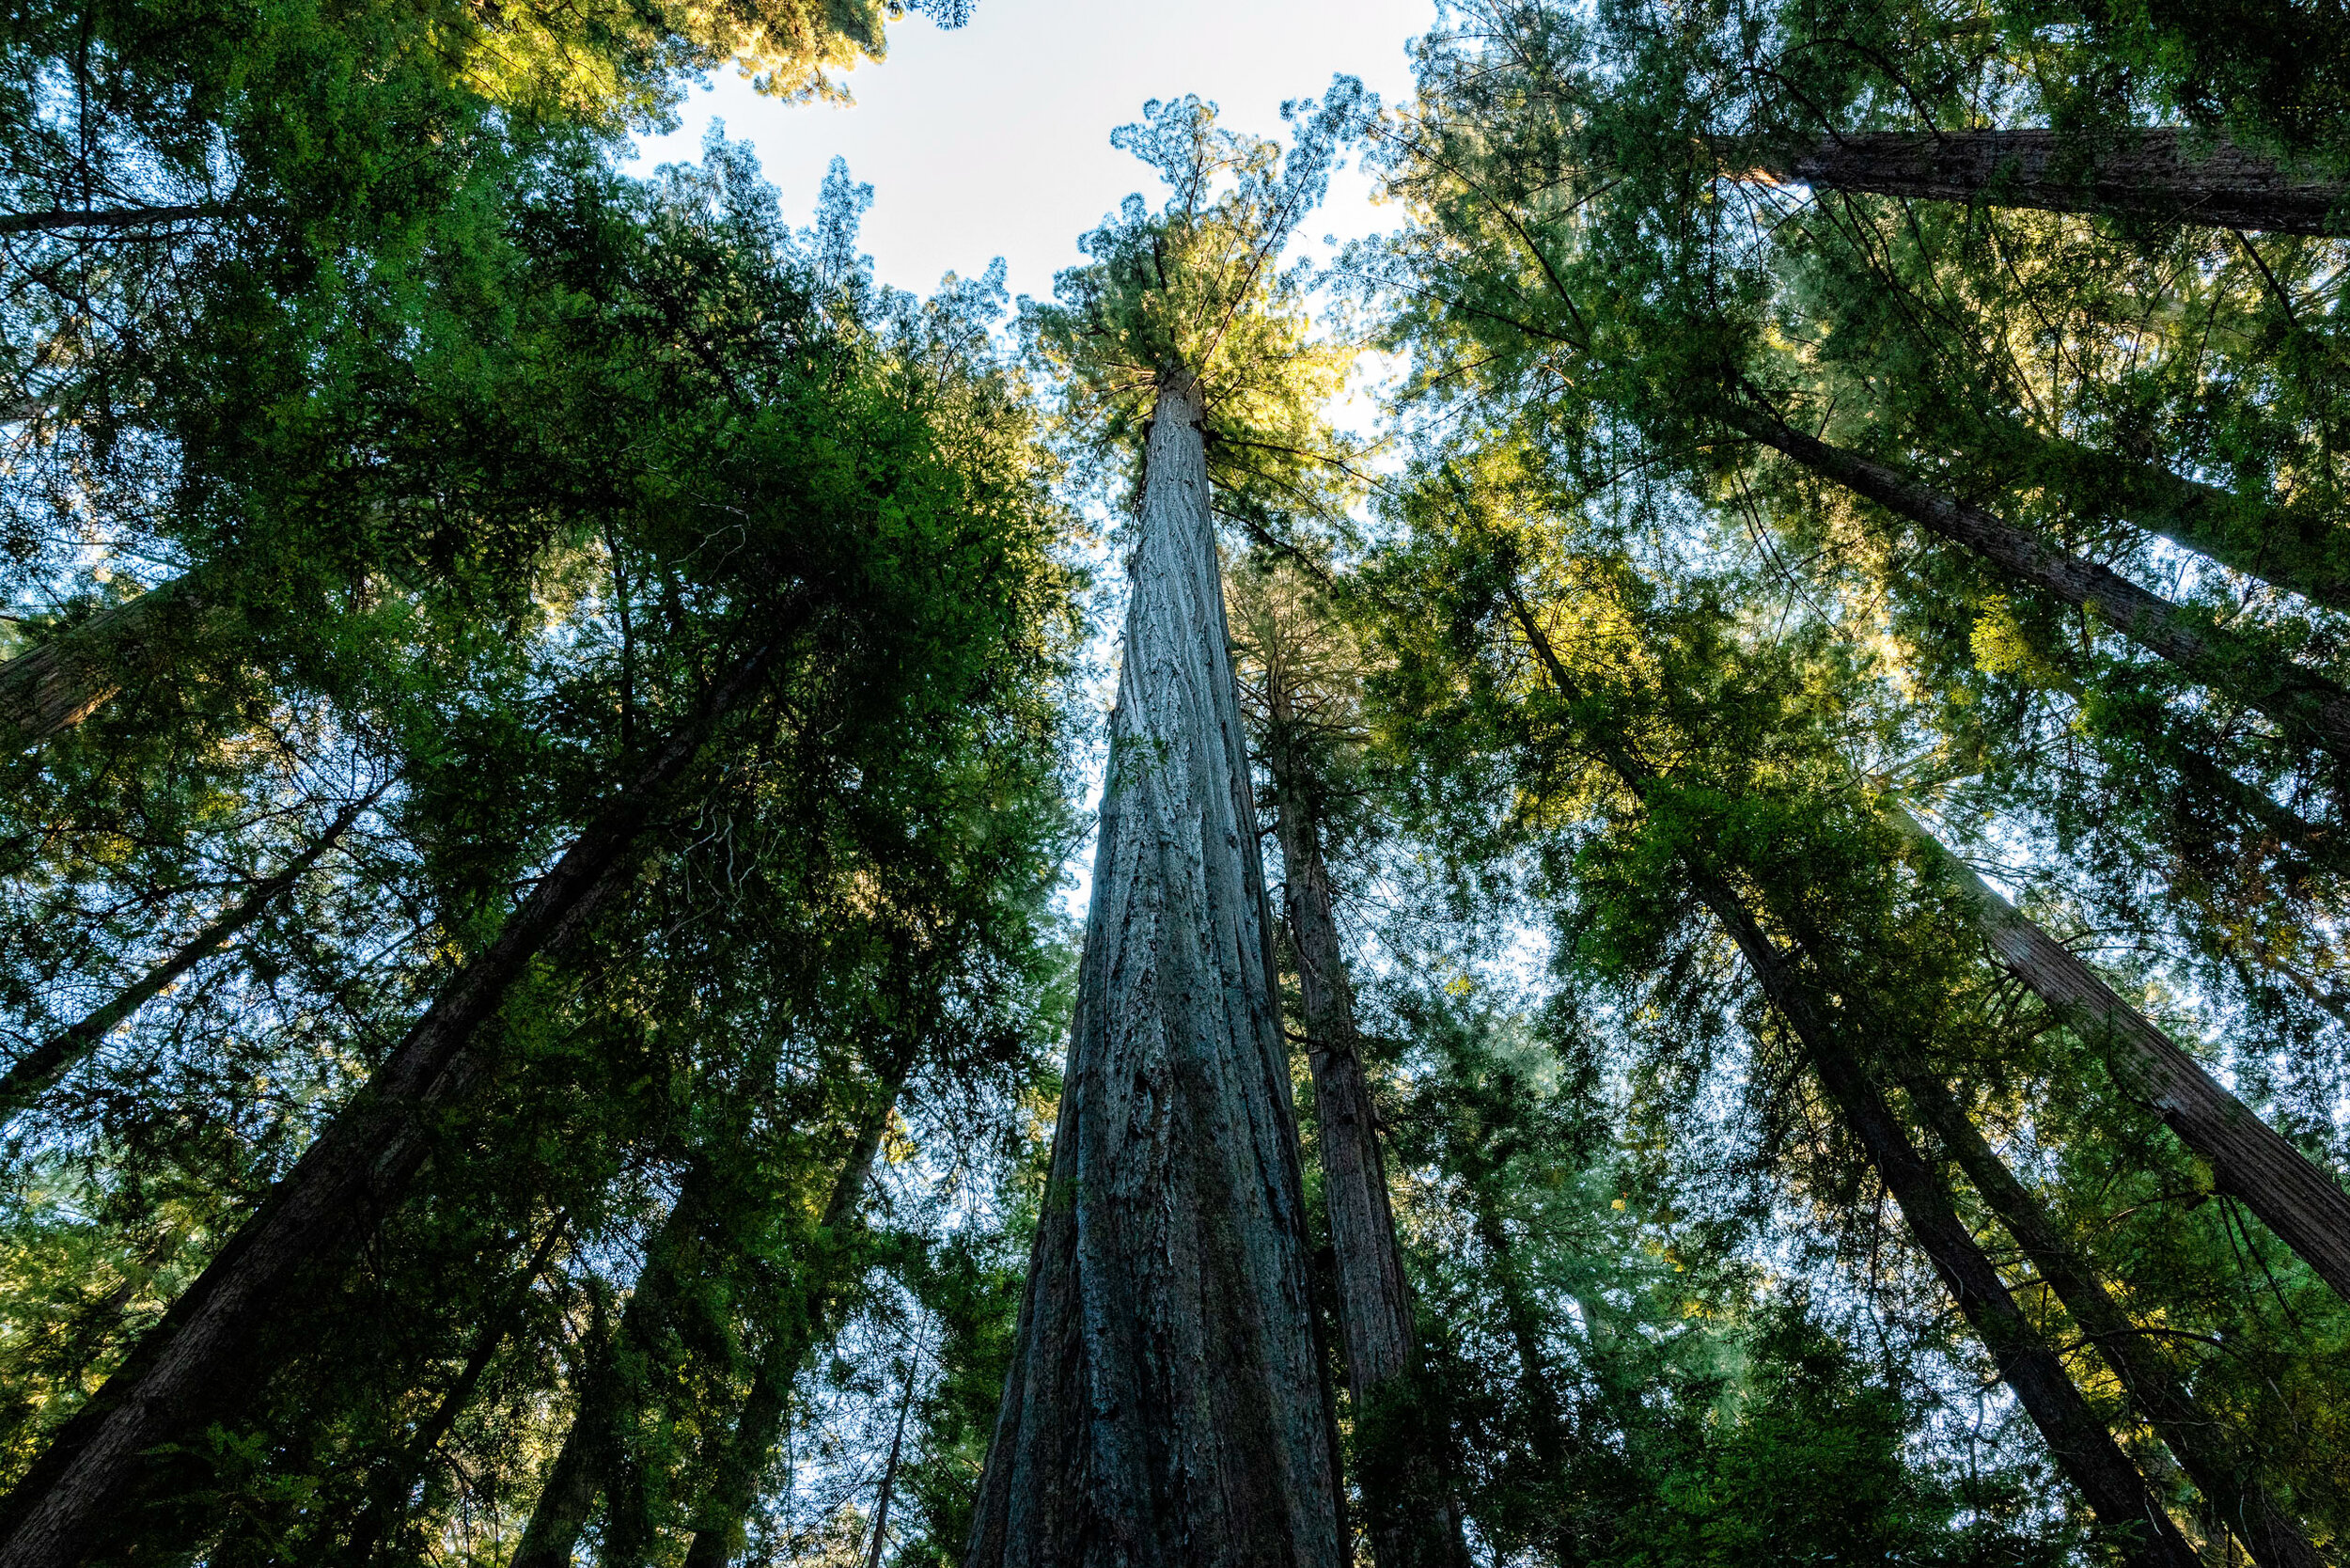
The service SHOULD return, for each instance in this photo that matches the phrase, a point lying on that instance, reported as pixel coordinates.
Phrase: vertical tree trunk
(718, 1532)
(2157, 172)
(194, 1368)
(46, 691)
(1166, 1404)
(2083, 1449)
(2246, 1506)
(1518, 1314)
(390, 1493)
(2309, 709)
(1414, 1517)
(45, 1063)
(2306, 1206)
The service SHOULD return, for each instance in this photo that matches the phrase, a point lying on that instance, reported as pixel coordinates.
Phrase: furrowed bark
(1415, 1519)
(391, 1494)
(2159, 173)
(2311, 710)
(2306, 1205)
(46, 691)
(43, 1065)
(719, 1531)
(2246, 1508)
(2083, 1449)
(1165, 1403)
(194, 1368)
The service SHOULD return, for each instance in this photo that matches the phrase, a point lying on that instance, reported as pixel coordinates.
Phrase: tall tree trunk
(719, 1529)
(1166, 1403)
(2298, 548)
(1415, 1519)
(2084, 1450)
(612, 1388)
(390, 1492)
(2246, 1507)
(2158, 172)
(46, 691)
(1519, 1316)
(45, 1063)
(194, 1368)
(2311, 710)
(890, 1473)
(2306, 1205)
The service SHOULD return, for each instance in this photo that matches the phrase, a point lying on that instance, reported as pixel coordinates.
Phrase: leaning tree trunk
(2306, 1206)
(2311, 710)
(2292, 546)
(194, 1368)
(612, 1386)
(388, 1493)
(2158, 173)
(1165, 1403)
(719, 1528)
(46, 691)
(2246, 1508)
(1414, 1517)
(45, 1063)
(2084, 1450)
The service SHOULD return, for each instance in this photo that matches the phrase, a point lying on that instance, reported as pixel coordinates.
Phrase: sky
(994, 139)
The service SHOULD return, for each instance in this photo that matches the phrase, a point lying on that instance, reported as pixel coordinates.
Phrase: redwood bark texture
(195, 1367)
(48, 690)
(2082, 1447)
(1165, 1404)
(2243, 1505)
(2304, 1204)
(2158, 173)
(2310, 709)
(1414, 1519)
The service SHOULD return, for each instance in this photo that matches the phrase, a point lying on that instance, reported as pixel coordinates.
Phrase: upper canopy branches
(1197, 290)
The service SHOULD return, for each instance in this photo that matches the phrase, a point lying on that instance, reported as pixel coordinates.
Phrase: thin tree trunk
(2159, 173)
(43, 1065)
(46, 691)
(391, 1493)
(2084, 1450)
(583, 1467)
(194, 1368)
(1415, 1518)
(1519, 1316)
(2246, 1506)
(889, 1474)
(2306, 1205)
(2292, 547)
(1167, 1402)
(103, 217)
(733, 1492)
(2311, 710)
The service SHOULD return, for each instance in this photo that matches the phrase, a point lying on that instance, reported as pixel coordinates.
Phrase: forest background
(550, 714)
